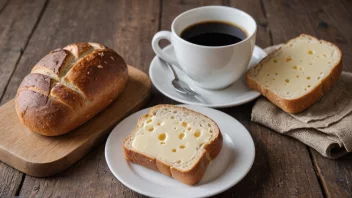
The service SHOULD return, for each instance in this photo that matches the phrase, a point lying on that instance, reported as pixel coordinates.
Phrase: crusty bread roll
(175, 141)
(69, 86)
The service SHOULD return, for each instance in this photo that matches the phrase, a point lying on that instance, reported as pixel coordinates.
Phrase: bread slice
(175, 141)
(297, 74)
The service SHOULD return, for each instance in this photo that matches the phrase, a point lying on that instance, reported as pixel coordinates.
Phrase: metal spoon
(179, 85)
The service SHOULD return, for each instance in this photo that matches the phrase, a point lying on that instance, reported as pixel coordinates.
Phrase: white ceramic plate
(227, 169)
(236, 94)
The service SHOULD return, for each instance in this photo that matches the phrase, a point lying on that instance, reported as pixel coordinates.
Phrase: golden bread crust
(69, 86)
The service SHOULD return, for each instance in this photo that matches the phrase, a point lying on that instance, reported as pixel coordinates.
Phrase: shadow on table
(258, 175)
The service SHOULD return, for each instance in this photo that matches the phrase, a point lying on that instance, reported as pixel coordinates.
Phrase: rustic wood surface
(283, 166)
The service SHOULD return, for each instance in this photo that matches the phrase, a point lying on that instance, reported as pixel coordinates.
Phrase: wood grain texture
(125, 26)
(3, 4)
(333, 22)
(8, 60)
(10, 180)
(335, 175)
(17, 20)
(42, 156)
(89, 177)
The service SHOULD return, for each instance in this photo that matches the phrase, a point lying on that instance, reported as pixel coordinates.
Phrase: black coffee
(213, 33)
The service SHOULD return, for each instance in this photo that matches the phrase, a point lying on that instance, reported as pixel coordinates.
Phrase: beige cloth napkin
(326, 126)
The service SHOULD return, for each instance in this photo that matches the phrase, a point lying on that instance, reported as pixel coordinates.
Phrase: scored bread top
(175, 141)
(68, 86)
(297, 74)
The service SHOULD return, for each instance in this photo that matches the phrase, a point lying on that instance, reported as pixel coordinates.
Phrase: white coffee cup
(209, 67)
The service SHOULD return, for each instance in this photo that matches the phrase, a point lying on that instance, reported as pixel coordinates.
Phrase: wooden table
(283, 166)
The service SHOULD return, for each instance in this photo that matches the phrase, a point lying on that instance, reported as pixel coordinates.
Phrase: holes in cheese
(288, 59)
(162, 137)
(174, 138)
(196, 133)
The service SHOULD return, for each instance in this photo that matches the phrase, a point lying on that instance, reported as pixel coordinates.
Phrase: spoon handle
(170, 67)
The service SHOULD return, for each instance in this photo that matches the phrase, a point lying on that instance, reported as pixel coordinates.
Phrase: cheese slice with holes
(170, 139)
(296, 70)
(175, 141)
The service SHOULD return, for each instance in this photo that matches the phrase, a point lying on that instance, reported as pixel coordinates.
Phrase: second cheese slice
(297, 74)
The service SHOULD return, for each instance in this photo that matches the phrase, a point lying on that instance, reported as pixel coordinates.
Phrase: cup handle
(158, 51)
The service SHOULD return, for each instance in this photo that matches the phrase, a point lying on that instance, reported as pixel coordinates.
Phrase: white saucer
(227, 169)
(236, 94)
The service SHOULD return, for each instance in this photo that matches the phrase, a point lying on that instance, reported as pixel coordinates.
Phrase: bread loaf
(299, 73)
(69, 86)
(175, 141)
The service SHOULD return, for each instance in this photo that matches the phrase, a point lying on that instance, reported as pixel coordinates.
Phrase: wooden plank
(125, 26)
(89, 177)
(331, 21)
(10, 180)
(256, 10)
(18, 19)
(335, 175)
(3, 4)
(8, 60)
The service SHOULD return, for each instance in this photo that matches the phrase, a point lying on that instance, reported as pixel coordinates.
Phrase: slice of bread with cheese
(175, 141)
(297, 74)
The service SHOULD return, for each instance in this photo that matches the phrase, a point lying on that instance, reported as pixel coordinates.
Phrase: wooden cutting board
(41, 156)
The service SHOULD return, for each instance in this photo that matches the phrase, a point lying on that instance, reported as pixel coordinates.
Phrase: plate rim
(251, 144)
(184, 101)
